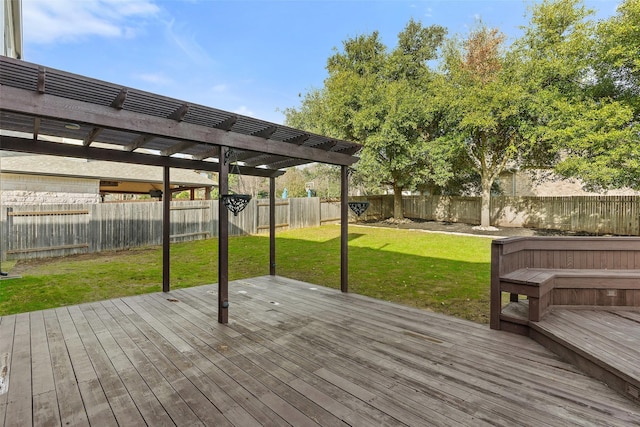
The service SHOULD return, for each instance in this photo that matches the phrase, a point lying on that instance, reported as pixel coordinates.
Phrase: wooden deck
(602, 342)
(292, 354)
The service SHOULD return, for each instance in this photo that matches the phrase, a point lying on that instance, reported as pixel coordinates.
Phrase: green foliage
(294, 181)
(324, 179)
(486, 108)
(618, 55)
(584, 80)
(380, 99)
(564, 95)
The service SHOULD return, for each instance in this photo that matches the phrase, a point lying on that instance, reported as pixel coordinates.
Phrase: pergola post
(344, 230)
(223, 241)
(166, 229)
(272, 226)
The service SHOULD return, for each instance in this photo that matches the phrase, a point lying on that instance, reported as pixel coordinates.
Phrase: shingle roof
(108, 171)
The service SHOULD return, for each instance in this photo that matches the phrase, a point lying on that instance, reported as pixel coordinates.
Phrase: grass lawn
(444, 273)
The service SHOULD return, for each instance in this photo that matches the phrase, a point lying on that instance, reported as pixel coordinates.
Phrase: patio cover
(105, 121)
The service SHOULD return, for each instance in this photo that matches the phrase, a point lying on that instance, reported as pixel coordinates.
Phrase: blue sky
(251, 57)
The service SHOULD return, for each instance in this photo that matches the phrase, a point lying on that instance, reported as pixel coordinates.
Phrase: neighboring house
(34, 179)
(10, 12)
(547, 184)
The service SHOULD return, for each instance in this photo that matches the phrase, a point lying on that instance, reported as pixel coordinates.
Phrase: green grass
(444, 273)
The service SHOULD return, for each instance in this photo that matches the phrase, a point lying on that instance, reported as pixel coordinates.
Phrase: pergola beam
(179, 113)
(266, 132)
(177, 148)
(91, 136)
(10, 143)
(42, 79)
(36, 127)
(138, 142)
(212, 152)
(227, 123)
(49, 106)
(118, 102)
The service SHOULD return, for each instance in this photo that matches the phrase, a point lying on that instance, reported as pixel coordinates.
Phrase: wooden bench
(561, 271)
(547, 278)
(545, 288)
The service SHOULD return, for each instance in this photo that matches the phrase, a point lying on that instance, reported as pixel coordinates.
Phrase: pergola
(111, 122)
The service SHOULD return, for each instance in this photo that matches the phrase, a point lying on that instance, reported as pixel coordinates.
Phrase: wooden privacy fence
(37, 231)
(617, 215)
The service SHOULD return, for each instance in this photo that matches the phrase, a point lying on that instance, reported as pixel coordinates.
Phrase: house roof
(40, 102)
(102, 170)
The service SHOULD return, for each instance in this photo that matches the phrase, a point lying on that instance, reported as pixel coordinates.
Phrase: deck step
(603, 343)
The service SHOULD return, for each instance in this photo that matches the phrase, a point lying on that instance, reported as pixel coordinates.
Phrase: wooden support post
(272, 226)
(223, 242)
(495, 292)
(344, 230)
(166, 229)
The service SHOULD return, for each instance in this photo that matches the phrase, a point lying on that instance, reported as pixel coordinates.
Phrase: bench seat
(545, 288)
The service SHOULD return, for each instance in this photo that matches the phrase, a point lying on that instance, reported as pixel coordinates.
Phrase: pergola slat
(53, 107)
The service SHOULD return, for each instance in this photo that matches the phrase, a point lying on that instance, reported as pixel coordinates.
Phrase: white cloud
(51, 21)
(186, 43)
(244, 111)
(154, 78)
(219, 88)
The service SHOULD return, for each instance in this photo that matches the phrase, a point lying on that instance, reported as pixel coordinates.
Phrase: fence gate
(40, 231)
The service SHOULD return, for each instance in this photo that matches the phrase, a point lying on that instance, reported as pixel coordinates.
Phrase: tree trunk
(397, 202)
(485, 204)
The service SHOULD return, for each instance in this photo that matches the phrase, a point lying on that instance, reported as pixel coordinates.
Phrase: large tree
(585, 81)
(383, 100)
(486, 106)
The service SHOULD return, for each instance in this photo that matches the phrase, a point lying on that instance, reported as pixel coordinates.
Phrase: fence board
(33, 231)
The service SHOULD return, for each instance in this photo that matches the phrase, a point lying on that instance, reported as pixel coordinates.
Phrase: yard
(445, 273)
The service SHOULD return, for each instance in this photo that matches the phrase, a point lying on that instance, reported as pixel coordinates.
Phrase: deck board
(45, 401)
(609, 338)
(292, 354)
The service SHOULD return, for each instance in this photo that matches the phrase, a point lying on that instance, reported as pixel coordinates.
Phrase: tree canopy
(434, 111)
(379, 98)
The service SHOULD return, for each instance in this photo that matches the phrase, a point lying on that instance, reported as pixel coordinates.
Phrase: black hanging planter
(358, 208)
(235, 202)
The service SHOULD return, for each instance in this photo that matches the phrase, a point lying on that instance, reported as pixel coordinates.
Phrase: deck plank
(7, 330)
(163, 349)
(45, 400)
(275, 391)
(169, 397)
(600, 335)
(95, 401)
(292, 354)
(123, 406)
(20, 392)
(71, 406)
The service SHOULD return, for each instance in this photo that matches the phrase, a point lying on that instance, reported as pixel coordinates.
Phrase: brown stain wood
(317, 357)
